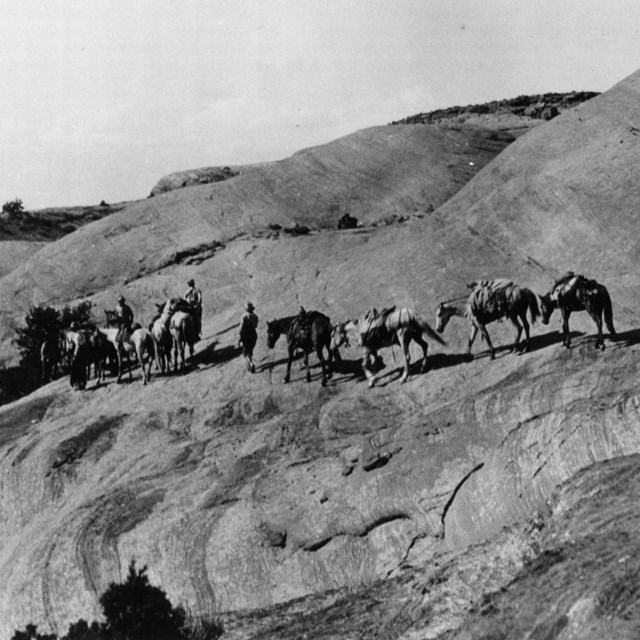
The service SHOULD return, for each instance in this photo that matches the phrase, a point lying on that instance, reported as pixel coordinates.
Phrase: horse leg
(323, 364)
(597, 318)
(566, 335)
(425, 347)
(525, 324)
(369, 374)
(120, 358)
(516, 324)
(407, 356)
(306, 365)
(472, 337)
(287, 375)
(485, 333)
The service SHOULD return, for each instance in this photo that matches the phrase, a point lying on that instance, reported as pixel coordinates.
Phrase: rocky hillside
(480, 499)
(381, 176)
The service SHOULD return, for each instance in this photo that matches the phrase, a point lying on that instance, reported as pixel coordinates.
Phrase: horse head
(339, 336)
(273, 333)
(444, 313)
(546, 308)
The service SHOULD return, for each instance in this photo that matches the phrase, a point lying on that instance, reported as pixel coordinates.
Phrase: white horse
(140, 343)
(378, 330)
(162, 337)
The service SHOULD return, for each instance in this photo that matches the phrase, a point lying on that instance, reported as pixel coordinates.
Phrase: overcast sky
(100, 98)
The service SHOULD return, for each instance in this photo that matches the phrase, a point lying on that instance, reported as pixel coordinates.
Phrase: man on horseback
(193, 297)
(248, 335)
(124, 315)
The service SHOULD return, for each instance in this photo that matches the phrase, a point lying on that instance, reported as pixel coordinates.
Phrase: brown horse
(378, 330)
(491, 301)
(577, 293)
(312, 334)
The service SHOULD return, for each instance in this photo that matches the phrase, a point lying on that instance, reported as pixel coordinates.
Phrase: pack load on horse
(572, 292)
(491, 300)
(308, 331)
(248, 335)
(383, 329)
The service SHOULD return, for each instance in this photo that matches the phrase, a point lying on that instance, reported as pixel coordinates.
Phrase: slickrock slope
(377, 175)
(407, 511)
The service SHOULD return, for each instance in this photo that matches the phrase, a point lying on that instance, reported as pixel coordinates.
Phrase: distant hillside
(382, 176)
(44, 225)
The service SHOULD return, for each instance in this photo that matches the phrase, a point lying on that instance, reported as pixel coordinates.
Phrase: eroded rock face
(241, 493)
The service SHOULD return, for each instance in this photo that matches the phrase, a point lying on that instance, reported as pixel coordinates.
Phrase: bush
(138, 610)
(133, 610)
(42, 323)
(13, 208)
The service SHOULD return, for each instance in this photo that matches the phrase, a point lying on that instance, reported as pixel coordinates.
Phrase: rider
(193, 296)
(248, 335)
(124, 313)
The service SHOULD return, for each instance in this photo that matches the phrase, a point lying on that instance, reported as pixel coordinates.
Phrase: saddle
(489, 297)
(570, 282)
(373, 327)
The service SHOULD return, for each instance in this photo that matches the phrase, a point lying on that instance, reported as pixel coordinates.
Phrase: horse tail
(426, 328)
(534, 309)
(608, 311)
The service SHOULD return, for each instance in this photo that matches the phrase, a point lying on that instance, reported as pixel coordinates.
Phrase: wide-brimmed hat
(191, 282)
(249, 306)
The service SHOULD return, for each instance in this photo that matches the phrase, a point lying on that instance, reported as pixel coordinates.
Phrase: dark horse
(314, 334)
(488, 302)
(577, 293)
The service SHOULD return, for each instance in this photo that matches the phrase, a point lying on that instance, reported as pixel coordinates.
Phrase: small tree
(134, 610)
(13, 208)
(42, 323)
(137, 610)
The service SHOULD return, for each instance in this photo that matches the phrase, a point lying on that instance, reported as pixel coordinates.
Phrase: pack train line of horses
(173, 331)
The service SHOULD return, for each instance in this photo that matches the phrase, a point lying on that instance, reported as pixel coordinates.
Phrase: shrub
(134, 610)
(13, 208)
(137, 610)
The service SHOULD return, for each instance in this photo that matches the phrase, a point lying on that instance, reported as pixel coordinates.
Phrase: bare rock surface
(433, 509)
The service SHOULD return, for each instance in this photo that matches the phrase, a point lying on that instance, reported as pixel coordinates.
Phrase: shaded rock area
(481, 499)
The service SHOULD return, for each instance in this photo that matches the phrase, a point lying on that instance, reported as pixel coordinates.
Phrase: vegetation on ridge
(543, 106)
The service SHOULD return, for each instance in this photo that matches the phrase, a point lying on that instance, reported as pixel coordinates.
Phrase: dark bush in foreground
(133, 610)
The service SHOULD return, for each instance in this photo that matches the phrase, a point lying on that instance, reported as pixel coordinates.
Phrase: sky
(101, 98)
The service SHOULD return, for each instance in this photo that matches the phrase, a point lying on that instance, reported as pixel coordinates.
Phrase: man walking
(248, 335)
